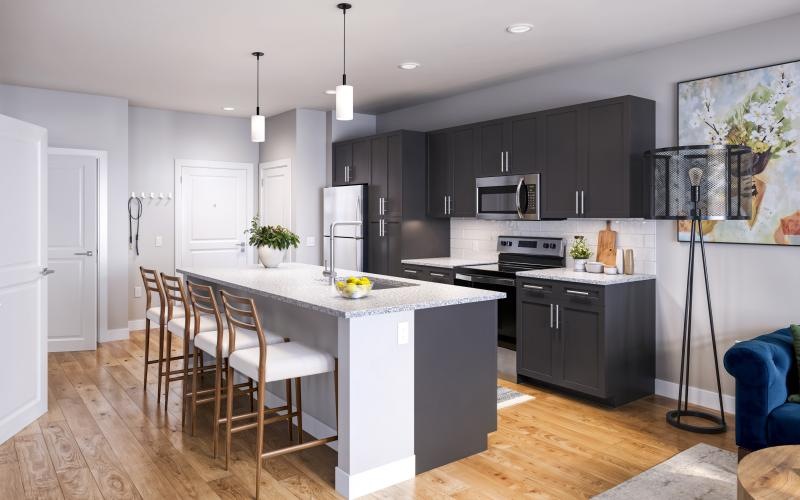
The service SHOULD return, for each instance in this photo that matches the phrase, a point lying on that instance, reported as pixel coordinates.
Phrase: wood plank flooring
(105, 437)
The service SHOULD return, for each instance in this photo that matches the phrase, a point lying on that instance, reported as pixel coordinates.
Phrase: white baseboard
(116, 334)
(136, 324)
(364, 483)
(697, 396)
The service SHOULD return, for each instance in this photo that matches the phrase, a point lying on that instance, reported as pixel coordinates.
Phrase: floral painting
(758, 108)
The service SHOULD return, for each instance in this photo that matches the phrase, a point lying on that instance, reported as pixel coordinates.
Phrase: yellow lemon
(364, 280)
(340, 284)
(351, 288)
(352, 279)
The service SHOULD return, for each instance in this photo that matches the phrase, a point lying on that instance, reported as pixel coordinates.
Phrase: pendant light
(258, 123)
(344, 92)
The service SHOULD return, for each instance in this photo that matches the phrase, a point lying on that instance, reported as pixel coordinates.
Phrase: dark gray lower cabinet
(428, 273)
(596, 341)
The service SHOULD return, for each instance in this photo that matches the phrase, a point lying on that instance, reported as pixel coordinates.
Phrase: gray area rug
(701, 472)
(507, 397)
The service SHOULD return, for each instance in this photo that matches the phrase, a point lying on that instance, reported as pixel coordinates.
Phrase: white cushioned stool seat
(286, 360)
(245, 339)
(154, 313)
(176, 325)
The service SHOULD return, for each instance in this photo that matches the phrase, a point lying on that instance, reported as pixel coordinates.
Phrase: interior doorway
(275, 195)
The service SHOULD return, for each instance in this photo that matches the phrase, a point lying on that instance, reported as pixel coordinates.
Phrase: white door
(23, 291)
(72, 252)
(275, 194)
(213, 207)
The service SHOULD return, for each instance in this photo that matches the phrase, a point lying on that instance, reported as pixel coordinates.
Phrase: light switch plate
(160, 241)
(402, 333)
(137, 292)
(310, 242)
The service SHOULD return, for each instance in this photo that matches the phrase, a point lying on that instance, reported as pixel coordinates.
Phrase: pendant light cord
(258, 84)
(344, 46)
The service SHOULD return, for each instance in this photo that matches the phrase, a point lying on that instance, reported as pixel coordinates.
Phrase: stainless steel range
(517, 253)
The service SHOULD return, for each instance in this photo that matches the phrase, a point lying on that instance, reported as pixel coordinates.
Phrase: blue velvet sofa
(766, 374)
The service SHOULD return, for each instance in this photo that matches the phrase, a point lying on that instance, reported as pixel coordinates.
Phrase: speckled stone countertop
(564, 274)
(304, 286)
(449, 262)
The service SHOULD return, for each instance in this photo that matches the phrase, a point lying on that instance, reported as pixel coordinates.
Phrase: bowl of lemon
(354, 287)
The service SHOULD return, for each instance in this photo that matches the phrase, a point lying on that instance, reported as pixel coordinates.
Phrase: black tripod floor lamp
(699, 183)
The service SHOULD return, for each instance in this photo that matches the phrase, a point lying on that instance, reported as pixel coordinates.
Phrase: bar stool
(185, 327)
(152, 285)
(215, 343)
(271, 363)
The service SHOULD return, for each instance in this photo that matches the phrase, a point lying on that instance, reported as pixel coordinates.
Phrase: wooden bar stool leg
(146, 351)
(289, 406)
(217, 401)
(194, 387)
(229, 409)
(252, 401)
(185, 380)
(167, 375)
(259, 433)
(160, 362)
(299, 410)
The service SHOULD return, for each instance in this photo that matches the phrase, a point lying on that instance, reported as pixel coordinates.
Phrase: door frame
(222, 165)
(101, 297)
(262, 168)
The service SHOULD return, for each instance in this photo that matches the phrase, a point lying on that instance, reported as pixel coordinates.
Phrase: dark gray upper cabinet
(493, 149)
(342, 159)
(379, 176)
(439, 173)
(360, 169)
(560, 152)
(452, 159)
(523, 147)
(351, 162)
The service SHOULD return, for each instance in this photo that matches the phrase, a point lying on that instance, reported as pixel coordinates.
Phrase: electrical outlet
(159, 240)
(311, 241)
(137, 291)
(402, 333)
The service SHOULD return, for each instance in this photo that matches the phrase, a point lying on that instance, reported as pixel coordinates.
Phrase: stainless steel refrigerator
(345, 203)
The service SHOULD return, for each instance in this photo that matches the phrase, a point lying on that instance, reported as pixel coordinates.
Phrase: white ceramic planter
(270, 257)
(580, 265)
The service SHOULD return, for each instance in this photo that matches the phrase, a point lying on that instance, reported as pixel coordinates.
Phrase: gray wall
(87, 121)
(754, 287)
(156, 139)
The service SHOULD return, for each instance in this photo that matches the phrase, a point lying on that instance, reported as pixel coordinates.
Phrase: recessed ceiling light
(519, 28)
(408, 65)
(228, 108)
(330, 92)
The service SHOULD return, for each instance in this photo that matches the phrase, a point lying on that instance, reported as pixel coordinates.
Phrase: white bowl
(594, 267)
(610, 269)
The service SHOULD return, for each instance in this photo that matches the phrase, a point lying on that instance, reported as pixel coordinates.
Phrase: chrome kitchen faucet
(332, 275)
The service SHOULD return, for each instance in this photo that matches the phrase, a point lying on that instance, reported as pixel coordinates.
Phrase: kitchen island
(417, 366)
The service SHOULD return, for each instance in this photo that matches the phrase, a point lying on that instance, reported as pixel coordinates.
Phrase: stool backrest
(241, 313)
(175, 295)
(203, 302)
(152, 285)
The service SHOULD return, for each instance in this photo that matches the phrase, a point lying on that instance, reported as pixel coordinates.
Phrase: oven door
(510, 197)
(506, 308)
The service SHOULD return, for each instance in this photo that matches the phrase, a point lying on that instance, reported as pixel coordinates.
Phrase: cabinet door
(359, 170)
(523, 149)
(438, 173)
(378, 176)
(536, 340)
(561, 162)
(378, 250)
(605, 185)
(492, 149)
(393, 197)
(465, 156)
(392, 234)
(582, 349)
(342, 158)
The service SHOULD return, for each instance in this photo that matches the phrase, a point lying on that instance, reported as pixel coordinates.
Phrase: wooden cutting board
(607, 246)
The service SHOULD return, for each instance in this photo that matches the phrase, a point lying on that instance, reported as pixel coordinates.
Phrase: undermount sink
(382, 284)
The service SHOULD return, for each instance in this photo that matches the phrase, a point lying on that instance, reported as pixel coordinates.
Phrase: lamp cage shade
(258, 125)
(725, 187)
(344, 102)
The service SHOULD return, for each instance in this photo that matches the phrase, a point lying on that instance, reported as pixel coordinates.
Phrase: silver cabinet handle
(551, 315)
(409, 271)
(582, 205)
(577, 292)
(438, 275)
(558, 318)
(449, 205)
(46, 272)
(383, 228)
(507, 163)
(445, 204)
(533, 287)
(89, 253)
(577, 212)
(502, 162)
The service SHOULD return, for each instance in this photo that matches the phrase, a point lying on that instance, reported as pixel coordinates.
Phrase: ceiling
(194, 55)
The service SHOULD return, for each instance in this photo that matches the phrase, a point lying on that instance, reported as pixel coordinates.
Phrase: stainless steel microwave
(508, 197)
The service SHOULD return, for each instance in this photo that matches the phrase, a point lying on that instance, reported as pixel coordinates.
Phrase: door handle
(449, 205)
(438, 275)
(502, 162)
(507, 162)
(577, 212)
(582, 205)
(445, 204)
(558, 319)
(87, 253)
(46, 272)
(409, 271)
(533, 287)
(519, 189)
(551, 315)
(577, 292)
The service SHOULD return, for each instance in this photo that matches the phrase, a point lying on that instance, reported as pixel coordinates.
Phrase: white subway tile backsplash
(470, 238)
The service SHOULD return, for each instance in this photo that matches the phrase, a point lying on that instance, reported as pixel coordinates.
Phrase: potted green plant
(271, 242)
(580, 252)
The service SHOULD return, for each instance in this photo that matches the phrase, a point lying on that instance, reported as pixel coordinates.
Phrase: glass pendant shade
(344, 102)
(258, 125)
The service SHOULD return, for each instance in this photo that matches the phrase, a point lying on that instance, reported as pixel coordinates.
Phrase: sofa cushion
(795, 398)
(783, 425)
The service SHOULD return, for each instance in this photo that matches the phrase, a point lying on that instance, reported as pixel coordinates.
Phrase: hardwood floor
(104, 437)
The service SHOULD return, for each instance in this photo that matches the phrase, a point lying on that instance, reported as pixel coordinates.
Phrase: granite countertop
(303, 285)
(564, 274)
(450, 262)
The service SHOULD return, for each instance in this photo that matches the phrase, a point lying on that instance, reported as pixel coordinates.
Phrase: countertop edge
(598, 279)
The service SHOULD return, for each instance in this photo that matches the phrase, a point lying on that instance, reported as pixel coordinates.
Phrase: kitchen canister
(627, 264)
(620, 260)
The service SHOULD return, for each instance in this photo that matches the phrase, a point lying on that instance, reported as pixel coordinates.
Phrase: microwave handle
(519, 189)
